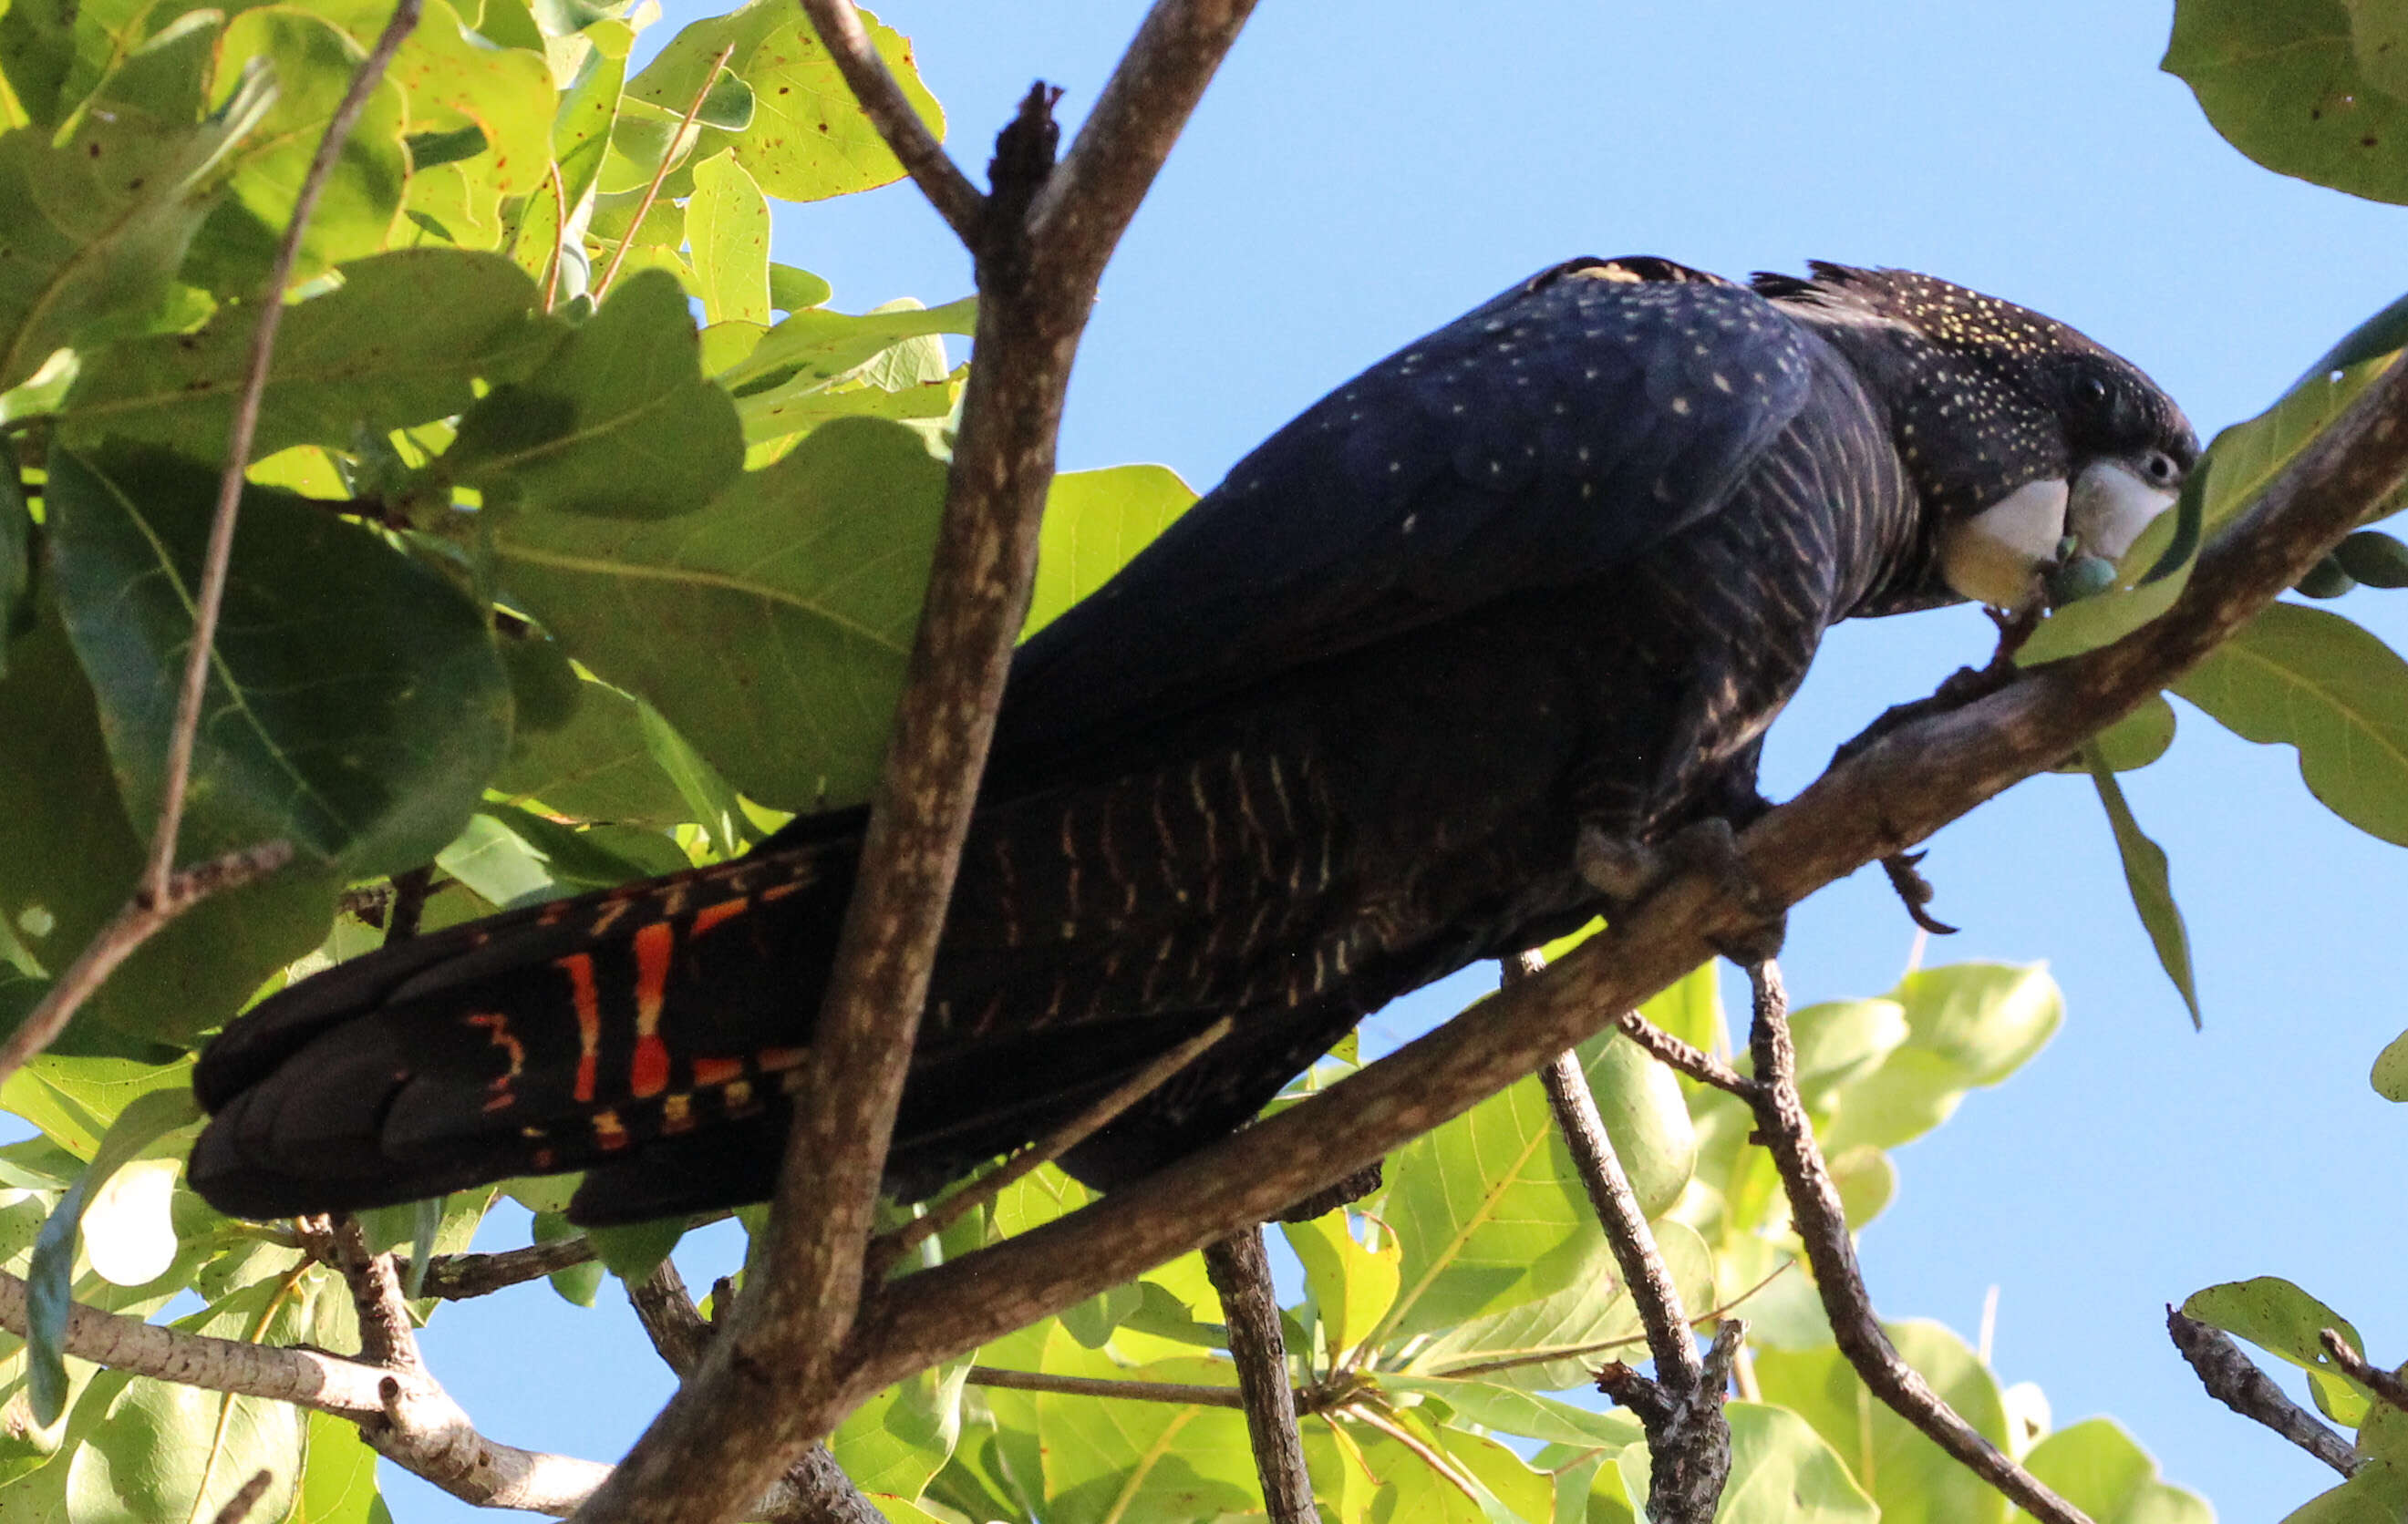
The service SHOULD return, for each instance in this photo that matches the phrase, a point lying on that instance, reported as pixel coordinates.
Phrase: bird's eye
(2160, 468)
(2092, 392)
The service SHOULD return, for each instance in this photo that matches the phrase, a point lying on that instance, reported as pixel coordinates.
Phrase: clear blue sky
(1362, 172)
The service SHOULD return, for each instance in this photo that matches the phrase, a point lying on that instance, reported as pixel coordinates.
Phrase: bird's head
(2016, 431)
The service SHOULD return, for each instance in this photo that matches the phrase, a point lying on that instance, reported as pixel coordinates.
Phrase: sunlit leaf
(1094, 521)
(2097, 1467)
(728, 223)
(2280, 1318)
(1911, 1478)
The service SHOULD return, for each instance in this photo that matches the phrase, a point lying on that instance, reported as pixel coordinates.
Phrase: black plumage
(1550, 570)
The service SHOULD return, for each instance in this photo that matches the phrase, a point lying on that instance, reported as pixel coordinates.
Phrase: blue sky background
(1363, 172)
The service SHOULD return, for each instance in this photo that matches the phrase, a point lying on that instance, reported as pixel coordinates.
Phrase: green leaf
(98, 227)
(1095, 523)
(1968, 1025)
(2280, 1318)
(1646, 1119)
(2377, 1493)
(1114, 1459)
(356, 705)
(2097, 1467)
(15, 553)
(66, 868)
(784, 379)
(617, 421)
(728, 221)
(340, 1485)
(771, 627)
(312, 61)
(49, 1280)
(2315, 681)
(453, 80)
(2390, 1076)
(898, 1440)
(1782, 1473)
(1557, 1341)
(2134, 741)
(636, 1250)
(580, 127)
(164, 1450)
(1510, 1410)
(597, 766)
(2282, 81)
(1912, 1479)
(579, 1284)
(2145, 876)
(807, 139)
(793, 290)
(398, 343)
(1354, 1287)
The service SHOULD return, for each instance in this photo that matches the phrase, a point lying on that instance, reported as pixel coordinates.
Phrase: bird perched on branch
(1433, 677)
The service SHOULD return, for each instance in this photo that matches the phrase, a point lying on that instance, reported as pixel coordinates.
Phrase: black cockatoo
(1544, 575)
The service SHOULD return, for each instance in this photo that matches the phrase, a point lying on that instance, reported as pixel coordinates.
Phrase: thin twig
(238, 1509)
(889, 1247)
(2388, 1388)
(1679, 1056)
(136, 922)
(670, 1318)
(1689, 1439)
(2233, 1378)
(1822, 1224)
(1188, 1394)
(456, 1278)
(214, 561)
(661, 171)
(882, 101)
(1240, 1274)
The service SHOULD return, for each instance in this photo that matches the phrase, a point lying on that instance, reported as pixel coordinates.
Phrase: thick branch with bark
(1240, 1273)
(1884, 799)
(790, 1367)
(2233, 1378)
(1815, 1206)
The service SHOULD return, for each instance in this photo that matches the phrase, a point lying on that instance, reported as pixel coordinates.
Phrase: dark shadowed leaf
(617, 422)
(599, 766)
(356, 705)
(398, 343)
(771, 629)
(2145, 876)
(16, 550)
(2311, 680)
(69, 857)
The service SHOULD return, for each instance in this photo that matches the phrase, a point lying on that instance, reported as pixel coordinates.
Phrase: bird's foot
(1914, 891)
(1627, 871)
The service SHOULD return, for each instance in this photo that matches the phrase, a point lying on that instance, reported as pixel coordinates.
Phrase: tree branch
(1883, 799)
(670, 1318)
(882, 101)
(2233, 1378)
(2387, 1387)
(789, 1368)
(1240, 1273)
(1815, 1206)
(1680, 1057)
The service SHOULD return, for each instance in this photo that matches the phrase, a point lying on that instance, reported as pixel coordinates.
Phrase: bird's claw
(1914, 890)
(1626, 871)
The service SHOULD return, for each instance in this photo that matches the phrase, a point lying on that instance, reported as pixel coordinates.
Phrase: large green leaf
(2376, 1493)
(398, 343)
(1968, 1025)
(729, 222)
(2145, 876)
(1912, 1479)
(454, 80)
(617, 421)
(1646, 1119)
(2097, 1467)
(899, 1439)
(1095, 523)
(69, 857)
(785, 378)
(97, 226)
(1353, 1287)
(1112, 1459)
(356, 703)
(340, 1485)
(808, 138)
(771, 627)
(313, 60)
(2311, 680)
(2282, 1319)
(599, 766)
(2284, 83)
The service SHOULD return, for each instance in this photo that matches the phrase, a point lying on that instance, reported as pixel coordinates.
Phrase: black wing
(1540, 439)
